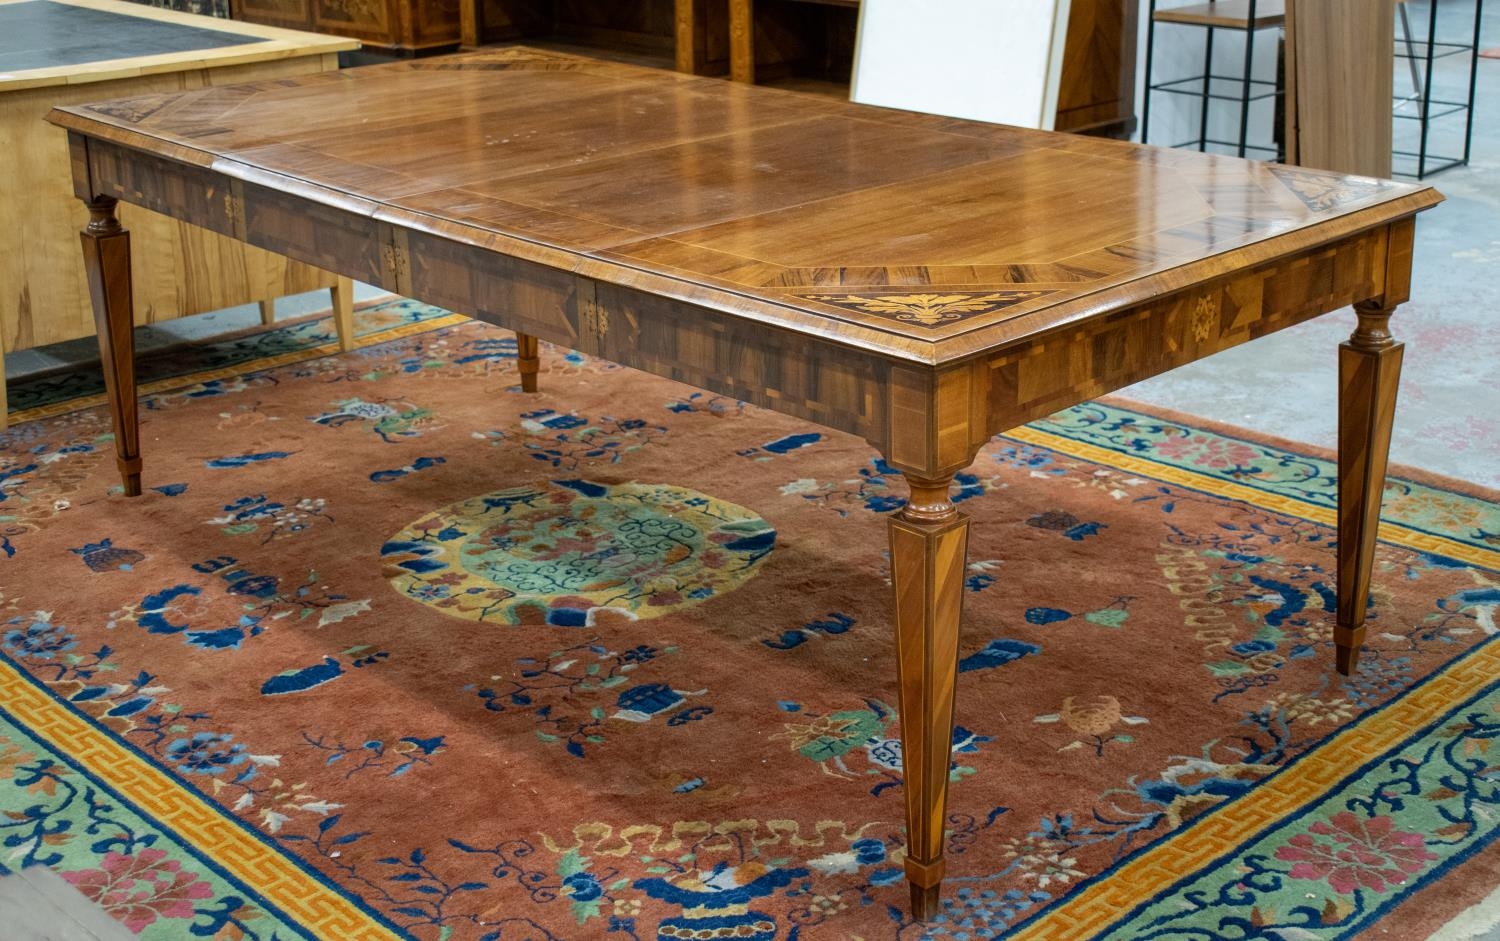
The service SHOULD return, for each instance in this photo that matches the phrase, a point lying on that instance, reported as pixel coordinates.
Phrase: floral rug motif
(573, 553)
(390, 649)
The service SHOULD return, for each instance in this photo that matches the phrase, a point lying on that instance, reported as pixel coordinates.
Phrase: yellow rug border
(1198, 844)
(316, 908)
(238, 369)
(1389, 531)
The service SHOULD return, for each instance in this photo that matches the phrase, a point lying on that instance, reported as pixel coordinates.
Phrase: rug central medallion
(573, 553)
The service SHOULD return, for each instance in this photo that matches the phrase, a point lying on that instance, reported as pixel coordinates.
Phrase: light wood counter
(43, 296)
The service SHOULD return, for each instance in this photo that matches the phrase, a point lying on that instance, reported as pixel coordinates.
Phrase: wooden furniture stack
(43, 296)
(805, 45)
(692, 35)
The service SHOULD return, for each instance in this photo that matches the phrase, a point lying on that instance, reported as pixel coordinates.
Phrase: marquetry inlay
(133, 110)
(929, 310)
(595, 320)
(1322, 192)
(1205, 317)
(234, 211)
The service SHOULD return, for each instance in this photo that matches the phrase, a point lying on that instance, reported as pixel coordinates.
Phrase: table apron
(1106, 353)
(928, 420)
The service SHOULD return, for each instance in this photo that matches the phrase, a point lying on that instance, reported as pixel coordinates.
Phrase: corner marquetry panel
(928, 310)
(1073, 365)
(1321, 192)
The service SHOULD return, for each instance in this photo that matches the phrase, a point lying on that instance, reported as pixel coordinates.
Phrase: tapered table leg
(341, 296)
(1369, 370)
(929, 542)
(528, 360)
(106, 261)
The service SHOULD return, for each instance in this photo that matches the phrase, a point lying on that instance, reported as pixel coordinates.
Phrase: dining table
(920, 281)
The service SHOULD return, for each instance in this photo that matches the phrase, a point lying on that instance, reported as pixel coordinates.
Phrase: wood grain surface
(920, 281)
(1339, 64)
(1226, 14)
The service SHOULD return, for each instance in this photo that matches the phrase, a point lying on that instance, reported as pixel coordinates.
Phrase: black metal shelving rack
(1421, 55)
(1243, 89)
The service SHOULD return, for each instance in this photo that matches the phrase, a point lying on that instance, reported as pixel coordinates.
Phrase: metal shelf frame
(1421, 55)
(1248, 84)
(1420, 52)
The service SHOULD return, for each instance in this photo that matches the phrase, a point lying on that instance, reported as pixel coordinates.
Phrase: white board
(987, 60)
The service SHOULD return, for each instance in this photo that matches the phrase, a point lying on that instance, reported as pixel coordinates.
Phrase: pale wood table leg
(342, 297)
(268, 311)
(1369, 370)
(528, 360)
(742, 41)
(929, 544)
(106, 261)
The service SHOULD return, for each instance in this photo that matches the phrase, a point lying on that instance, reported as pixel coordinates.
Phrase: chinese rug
(390, 649)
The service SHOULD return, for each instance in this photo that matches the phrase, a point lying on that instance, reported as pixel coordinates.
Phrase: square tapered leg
(929, 545)
(1369, 372)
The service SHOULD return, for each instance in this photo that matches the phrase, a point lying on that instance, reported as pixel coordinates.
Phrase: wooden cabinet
(423, 27)
(693, 35)
(406, 27)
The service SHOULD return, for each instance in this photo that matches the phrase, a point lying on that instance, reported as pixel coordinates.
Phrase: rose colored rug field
(391, 649)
